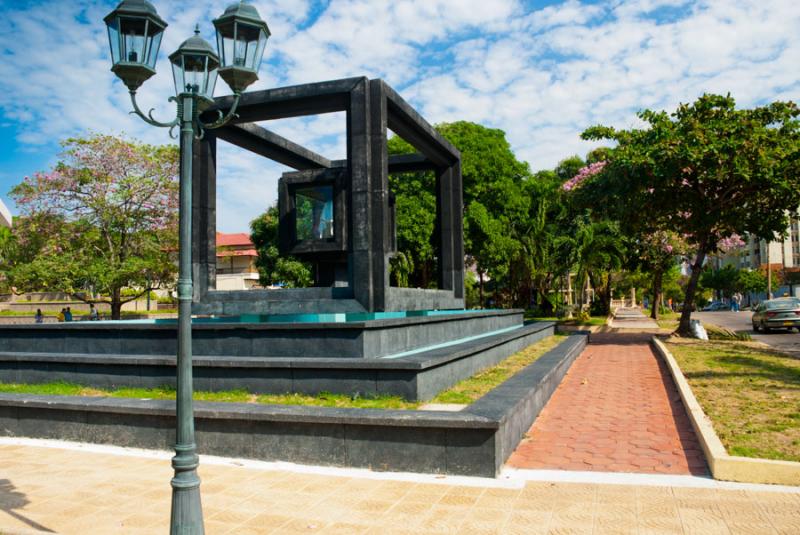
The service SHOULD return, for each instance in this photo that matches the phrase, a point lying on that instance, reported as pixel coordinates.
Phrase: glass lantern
(134, 35)
(241, 38)
(194, 67)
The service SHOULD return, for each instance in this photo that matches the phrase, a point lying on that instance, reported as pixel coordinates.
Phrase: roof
(232, 240)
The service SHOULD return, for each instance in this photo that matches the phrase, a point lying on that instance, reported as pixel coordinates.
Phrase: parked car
(781, 313)
(716, 305)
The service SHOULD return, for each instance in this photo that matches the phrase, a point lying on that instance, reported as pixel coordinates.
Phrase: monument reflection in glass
(314, 213)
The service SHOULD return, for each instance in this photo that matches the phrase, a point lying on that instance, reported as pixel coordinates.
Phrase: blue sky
(541, 71)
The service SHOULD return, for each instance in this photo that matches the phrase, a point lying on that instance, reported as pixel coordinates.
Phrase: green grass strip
(464, 392)
(469, 390)
(750, 392)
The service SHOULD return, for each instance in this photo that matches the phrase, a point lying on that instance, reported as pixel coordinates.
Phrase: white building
(781, 257)
(236, 262)
(760, 253)
(5, 216)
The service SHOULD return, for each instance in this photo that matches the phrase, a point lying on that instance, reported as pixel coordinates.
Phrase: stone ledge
(367, 325)
(254, 412)
(723, 466)
(420, 361)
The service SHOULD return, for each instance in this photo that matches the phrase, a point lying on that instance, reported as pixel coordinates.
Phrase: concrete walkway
(78, 491)
(632, 318)
(616, 410)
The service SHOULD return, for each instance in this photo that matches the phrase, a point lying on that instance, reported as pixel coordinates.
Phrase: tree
(724, 281)
(274, 268)
(569, 167)
(496, 208)
(415, 205)
(657, 253)
(751, 281)
(595, 249)
(103, 219)
(710, 172)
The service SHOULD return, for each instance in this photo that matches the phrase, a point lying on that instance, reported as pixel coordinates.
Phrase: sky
(542, 71)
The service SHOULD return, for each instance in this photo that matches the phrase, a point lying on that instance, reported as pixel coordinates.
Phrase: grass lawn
(751, 394)
(466, 391)
(593, 320)
(666, 320)
(469, 390)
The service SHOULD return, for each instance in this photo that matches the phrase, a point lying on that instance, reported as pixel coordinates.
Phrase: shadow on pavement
(11, 499)
(621, 338)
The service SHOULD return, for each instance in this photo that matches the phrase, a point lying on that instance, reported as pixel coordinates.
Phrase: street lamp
(134, 32)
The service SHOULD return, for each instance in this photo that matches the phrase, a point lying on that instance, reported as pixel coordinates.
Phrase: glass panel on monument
(314, 213)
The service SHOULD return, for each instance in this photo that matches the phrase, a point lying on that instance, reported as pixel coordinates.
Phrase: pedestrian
(736, 302)
(39, 316)
(62, 315)
(93, 313)
(68, 315)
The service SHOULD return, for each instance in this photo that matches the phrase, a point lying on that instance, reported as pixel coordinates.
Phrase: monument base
(414, 357)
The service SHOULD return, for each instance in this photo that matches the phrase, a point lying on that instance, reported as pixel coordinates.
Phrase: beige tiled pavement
(88, 492)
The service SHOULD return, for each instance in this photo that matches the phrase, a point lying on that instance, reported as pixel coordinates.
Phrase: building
(5, 216)
(236, 262)
(781, 256)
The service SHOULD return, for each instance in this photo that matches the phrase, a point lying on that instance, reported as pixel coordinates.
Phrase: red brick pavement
(617, 410)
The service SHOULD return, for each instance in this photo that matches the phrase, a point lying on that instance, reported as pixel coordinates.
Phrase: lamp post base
(187, 510)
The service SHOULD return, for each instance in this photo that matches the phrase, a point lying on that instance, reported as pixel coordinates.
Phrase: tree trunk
(658, 276)
(691, 288)
(116, 304)
(607, 297)
(480, 289)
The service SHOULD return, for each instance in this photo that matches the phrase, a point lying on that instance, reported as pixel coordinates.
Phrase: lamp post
(135, 31)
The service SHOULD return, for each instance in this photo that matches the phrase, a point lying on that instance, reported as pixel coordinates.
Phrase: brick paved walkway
(617, 410)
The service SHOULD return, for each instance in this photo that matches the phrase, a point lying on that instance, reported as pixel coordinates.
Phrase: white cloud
(542, 75)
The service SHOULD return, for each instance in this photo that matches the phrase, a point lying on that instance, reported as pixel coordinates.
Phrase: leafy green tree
(595, 249)
(415, 205)
(569, 167)
(496, 209)
(751, 281)
(710, 172)
(103, 219)
(274, 268)
(657, 253)
(724, 281)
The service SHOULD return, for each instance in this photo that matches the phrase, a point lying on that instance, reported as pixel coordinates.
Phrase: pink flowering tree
(584, 174)
(656, 253)
(102, 220)
(708, 172)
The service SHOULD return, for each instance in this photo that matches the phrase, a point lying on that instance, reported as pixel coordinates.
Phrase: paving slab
(617, 410)
(632, 318)
(69, 490)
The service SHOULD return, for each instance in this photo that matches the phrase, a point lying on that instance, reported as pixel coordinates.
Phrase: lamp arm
(223, 120)
(149, 117)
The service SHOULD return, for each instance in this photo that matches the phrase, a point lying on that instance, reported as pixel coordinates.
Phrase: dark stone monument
(339, 215)
(352, 332)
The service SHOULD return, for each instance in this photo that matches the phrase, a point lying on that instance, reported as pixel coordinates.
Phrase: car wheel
(765, 328)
